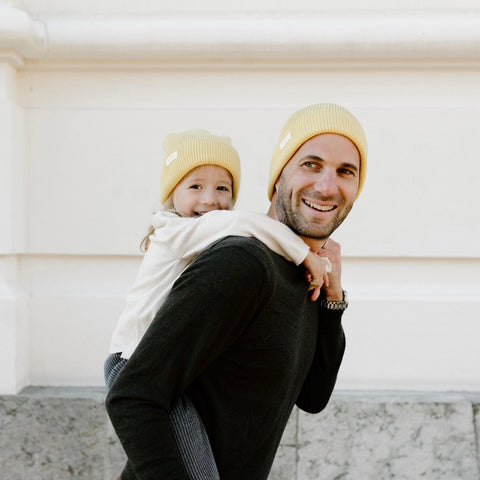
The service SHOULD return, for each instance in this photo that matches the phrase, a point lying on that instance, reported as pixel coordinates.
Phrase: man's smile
(320, 208)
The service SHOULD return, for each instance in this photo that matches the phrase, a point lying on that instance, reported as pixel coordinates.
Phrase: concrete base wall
(64, 433)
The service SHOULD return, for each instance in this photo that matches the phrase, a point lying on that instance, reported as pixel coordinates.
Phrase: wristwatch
(335, 305)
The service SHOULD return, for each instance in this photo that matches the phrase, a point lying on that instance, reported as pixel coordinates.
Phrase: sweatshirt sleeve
(187, 237)
(183, 340)
(320, 381)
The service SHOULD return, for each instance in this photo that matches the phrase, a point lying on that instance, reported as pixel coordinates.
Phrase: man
(238, 331)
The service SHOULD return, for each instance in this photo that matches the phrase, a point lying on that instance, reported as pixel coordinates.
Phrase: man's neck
(313, 243)
(272, 212)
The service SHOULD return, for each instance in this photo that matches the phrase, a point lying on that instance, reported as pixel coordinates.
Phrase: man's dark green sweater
(240, 335)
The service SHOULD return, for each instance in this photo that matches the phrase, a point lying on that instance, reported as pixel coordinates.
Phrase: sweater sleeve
(320, 381)
(187, 237)
(202, 316)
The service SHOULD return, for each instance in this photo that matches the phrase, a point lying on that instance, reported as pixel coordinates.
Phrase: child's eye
(195, 186)
(223, 189)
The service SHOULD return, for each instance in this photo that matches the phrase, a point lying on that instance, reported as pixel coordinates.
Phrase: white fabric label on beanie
(285, 140)
(171, 158)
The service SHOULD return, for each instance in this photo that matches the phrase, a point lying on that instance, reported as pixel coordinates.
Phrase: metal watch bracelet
(335, 305)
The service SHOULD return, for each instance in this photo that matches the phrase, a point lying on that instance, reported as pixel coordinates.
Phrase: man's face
(317, 187)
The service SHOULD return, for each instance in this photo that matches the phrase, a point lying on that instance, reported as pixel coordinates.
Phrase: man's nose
(326, 182)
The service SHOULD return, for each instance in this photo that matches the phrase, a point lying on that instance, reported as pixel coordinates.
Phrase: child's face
(203, 189)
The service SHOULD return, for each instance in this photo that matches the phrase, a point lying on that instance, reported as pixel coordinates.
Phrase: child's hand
(317, 272)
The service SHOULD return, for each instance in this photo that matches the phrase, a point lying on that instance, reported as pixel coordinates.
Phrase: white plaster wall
(247, 6)
(83, 121)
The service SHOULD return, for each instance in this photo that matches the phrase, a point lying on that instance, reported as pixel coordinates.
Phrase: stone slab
(390, 436)
(64, 433)
(56, 434)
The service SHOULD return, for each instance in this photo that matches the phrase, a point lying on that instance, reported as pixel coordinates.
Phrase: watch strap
(342, 305)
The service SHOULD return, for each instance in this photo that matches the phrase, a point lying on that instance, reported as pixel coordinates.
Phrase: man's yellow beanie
(308, 123)
(191, 149)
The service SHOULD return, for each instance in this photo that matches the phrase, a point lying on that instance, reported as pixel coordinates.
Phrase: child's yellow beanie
(308, 123)
(191, 149)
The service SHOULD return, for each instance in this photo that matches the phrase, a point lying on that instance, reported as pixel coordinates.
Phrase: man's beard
(294, 219)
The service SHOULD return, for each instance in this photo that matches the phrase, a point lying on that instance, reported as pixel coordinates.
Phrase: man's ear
(277, 181)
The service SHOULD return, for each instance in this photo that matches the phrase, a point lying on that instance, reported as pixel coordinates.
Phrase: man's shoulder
(238, 249)
(239, 261)
(247, 244)
(245, 250)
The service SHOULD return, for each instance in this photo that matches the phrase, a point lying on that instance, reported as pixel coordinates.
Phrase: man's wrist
(341, 304)
(335, 296)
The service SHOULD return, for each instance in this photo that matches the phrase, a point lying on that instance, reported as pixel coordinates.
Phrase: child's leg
(188, 429)
(112, 367)
(192, 441)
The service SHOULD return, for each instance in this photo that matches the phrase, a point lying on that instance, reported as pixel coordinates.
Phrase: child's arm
(187, 237)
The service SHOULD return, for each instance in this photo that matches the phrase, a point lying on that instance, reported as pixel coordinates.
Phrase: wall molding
(376, 36)
(20, 34)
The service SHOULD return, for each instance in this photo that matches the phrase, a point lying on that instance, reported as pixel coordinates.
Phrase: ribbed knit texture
(191, 149)
(112, 367)
(188, 430)
(308, 123)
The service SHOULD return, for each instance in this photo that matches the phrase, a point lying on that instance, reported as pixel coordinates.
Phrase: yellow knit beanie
(308, 123)
(191, 149)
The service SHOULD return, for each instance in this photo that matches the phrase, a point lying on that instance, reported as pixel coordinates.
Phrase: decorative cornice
(412, 37)
(21, 36)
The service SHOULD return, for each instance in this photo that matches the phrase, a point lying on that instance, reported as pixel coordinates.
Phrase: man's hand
(332, 250)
